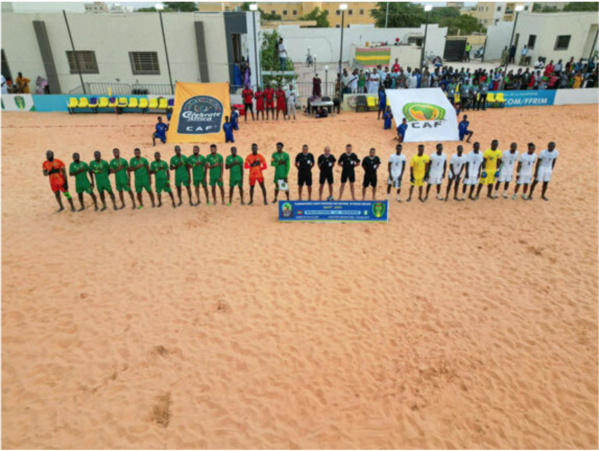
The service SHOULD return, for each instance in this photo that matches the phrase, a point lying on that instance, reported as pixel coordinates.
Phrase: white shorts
(471, 181)
(524, 179)
(394, 181)
(456, 178)
(544, 175)
(506, 176)
(435, 179)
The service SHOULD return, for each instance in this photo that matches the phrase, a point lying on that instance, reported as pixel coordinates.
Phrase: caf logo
(200, 115)
(378, 209)
(415, 112)
(287, 210)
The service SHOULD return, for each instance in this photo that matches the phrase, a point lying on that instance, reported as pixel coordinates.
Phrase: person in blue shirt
(388, 116)
(382, 101)
(463, 129)
(160, 132)
(401, 130)
(234, 117)
(228, 129)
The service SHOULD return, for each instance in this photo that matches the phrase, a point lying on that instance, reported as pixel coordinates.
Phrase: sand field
(454, 325)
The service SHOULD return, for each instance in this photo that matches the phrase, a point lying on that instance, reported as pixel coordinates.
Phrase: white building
(325, 43)
(96, 7)
(127, 48)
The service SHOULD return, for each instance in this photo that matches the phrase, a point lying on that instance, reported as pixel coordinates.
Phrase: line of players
(491, 168)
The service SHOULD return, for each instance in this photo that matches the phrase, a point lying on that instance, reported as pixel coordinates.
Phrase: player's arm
(263, 164)
(444, 168)
(389, 168)
(247, 164)
(222, 167)
(297, 161)
(411, 173)
(91, 176)
(403, 167)
(553, 164)
(499, 164)
(427, 169)
(537, 166)
(228, 165)
(64, 176)
(149, 173)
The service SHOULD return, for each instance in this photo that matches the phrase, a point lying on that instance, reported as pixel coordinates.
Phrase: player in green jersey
(235, 164)
(79, 170)
(180, 165)
(214, 162)
(280, 161)
(198, 171)
(163, 178)
(143, 178)
(101, 170)
(122, 178)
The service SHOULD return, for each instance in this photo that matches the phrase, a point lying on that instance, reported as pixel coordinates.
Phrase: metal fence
(304, 88)
(120, 89)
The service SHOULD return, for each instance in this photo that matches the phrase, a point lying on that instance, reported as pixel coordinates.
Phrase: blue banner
(332, 211)
(535, 97)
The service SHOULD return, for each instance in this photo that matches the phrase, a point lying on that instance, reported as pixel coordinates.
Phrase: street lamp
(342, 8)
(159, 6)
(518, 8)
(326, 80)
(428, 9)
(253, 9)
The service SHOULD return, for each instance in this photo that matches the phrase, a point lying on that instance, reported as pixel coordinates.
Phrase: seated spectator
(322, 113)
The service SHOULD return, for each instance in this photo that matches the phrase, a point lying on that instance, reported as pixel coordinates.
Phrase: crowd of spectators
(574, 75)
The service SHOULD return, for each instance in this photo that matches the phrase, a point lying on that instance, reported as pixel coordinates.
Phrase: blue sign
(332, 211)
(534, 97)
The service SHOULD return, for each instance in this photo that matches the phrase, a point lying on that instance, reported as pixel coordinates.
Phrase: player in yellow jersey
(491, 167)
(419, 167)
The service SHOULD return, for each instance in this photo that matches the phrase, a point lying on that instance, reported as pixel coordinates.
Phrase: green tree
(538, 8)
(401, 15)
(270, 59)
(463, 24)
(181, 6)
(245, 6)
(581, 6)
(321, 17)
(438, 14)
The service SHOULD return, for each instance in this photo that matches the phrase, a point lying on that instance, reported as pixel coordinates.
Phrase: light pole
(326, 80)
(387, 15)
(428, 9)
(342, 7)
(253, 9)
(518, 8)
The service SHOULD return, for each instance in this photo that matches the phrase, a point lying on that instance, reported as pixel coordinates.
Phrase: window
(499, 8)
(350, 12)
(338, 12)
(295, 12)
(361, 12)
(273, 12)
(526, 8)
(337, 26)
(562, 42)
(144, 63)
(284, 12)
(532, 39)
(86, 59)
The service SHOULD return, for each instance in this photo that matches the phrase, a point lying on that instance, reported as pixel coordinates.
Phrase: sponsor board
(17, 102)
(333, 211)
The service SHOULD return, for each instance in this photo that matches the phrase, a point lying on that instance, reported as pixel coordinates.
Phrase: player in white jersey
(526, 164)
(436, 173)
(397, 164)
(456, 167)
(544, 169)
(508, 159)
(474, 162)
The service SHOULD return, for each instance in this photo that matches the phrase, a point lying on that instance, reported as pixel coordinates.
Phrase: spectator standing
(282, 55)
(353, 82)
(361, 82)
(513, 54)
(467, 52)
(4, 85)
(23, 84)
(524, 56)
(374, 82)
(395, 68)
(291, 102)
(316, 86)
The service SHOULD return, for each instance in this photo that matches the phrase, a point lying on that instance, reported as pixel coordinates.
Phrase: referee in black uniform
(304, 162)
(326, 163)
(370, 164)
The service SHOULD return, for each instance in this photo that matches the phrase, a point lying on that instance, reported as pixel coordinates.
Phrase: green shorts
(103, 186)
(122, 186)
(163, 186)
(216, 182)
(236, 181)
(181, 181)
(84, 189)
(196, 182)
(140, 185)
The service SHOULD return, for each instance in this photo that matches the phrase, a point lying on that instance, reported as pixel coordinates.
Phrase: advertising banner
(199, 113)
(332, 211)
(541, 97)
(372, 56)
(429, 114)
(17, 102)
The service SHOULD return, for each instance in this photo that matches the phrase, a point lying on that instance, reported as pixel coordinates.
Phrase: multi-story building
(96, 7)
(458, 5)
(491, 13)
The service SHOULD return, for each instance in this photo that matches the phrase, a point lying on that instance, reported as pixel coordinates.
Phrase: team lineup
(476, 169)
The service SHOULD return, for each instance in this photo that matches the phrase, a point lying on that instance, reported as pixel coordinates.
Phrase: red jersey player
(248, 98)
(280, 95)
(269, 93)
(259, 96)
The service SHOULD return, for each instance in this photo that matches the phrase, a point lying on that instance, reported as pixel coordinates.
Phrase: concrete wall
(112, 37)
(325, 42)
(582, 28)
(498, 37)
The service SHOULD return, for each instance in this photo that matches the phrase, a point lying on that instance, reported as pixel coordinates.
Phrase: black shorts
(348, 175)
(369, 180)
(304, 178)
(249, 107)
(326, 177)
